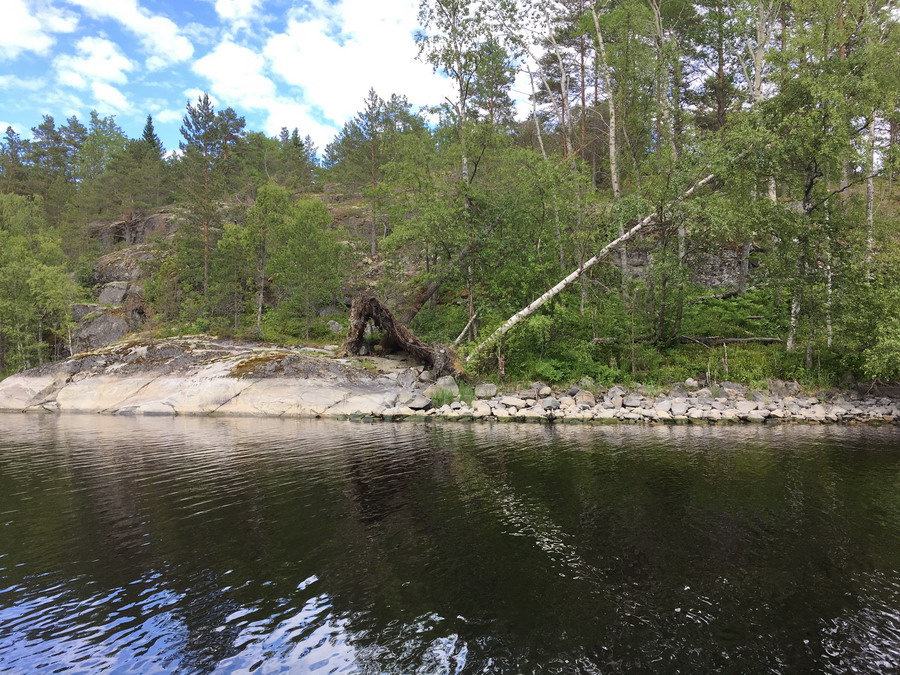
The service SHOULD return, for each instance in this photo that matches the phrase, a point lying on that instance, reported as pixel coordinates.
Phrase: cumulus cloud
(330, 54)
(18, 128)
(289, 113)
(168, 115)
(97, 66)
(109, 99)
(30, 27)
(237, 76)
(159, 36)
(63, 101)
(237, 10)
(193, 94)
(98, 59)
(15, 82)
(336, 52)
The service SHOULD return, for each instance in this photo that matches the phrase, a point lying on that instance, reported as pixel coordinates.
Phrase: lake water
(198, 545)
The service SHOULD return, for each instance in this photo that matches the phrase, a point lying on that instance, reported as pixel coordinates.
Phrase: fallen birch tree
(562, 285)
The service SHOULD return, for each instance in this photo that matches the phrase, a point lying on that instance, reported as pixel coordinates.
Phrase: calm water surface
(197, 546)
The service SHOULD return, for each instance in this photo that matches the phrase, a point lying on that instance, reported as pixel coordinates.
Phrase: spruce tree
(151, 139)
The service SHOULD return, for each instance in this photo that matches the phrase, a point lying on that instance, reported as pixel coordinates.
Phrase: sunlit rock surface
(200, 376)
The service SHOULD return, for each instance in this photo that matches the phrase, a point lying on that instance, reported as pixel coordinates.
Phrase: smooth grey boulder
(585, 397)
(757, 415)
(512, 402)
(444, 384)
(691, 383)
(426, 376)
(632, 401)
(335, 327)
(733, 388)
(678, 392)
(419, 402)
(615, 391)
(481, 409)
(486, 390)
(550, 403)
(679, 408)
(745, 407)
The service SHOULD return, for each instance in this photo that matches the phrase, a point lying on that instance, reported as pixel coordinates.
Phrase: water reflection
(188, 545)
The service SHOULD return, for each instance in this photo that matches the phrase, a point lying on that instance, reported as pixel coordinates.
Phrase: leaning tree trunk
(440, 358)
(562, 285)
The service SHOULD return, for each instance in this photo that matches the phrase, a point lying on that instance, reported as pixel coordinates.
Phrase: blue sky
(294, 63)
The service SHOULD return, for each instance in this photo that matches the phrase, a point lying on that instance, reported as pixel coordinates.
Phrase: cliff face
(200, 376)
(118, 277)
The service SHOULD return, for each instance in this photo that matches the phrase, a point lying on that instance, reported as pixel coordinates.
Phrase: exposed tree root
(439, 358)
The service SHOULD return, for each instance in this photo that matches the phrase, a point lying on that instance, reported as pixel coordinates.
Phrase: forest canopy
(754, 141)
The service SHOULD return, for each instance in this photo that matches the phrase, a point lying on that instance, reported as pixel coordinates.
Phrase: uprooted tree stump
(438, 357)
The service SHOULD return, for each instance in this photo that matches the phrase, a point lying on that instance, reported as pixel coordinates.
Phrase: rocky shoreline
(684, 403)
(204, 376)
(723, 405)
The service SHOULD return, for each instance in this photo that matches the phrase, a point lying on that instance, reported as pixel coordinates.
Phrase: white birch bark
(613, 149)
(870, 200)
(607, 83)
(564, 283)
(563, 92)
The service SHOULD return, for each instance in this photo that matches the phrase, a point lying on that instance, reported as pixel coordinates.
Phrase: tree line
(785, 112)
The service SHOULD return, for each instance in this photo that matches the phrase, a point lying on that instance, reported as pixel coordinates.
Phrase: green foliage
(307, 265)
(36, 292)
(882, 359)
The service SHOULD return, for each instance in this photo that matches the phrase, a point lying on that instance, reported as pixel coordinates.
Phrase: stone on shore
(550, 403)
(445, 386)
(486, 390)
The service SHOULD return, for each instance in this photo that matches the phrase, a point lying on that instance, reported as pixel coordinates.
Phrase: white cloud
(160, 37)
(97, 66)
(29, 27)
(236, 74)
(18, 128)
(194, 94)
(109, 99)
(336, 52)
(168, 115)
(285, 112)
(63, 101)
(237, 10)
(98, 59)
(14, 82)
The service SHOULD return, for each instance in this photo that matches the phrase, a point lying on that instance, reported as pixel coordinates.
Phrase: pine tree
(209, 147)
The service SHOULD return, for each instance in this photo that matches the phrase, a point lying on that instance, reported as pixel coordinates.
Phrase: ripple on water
(186, 545)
